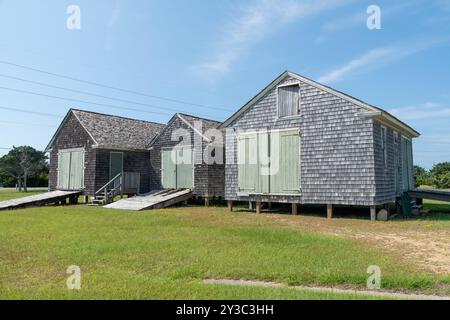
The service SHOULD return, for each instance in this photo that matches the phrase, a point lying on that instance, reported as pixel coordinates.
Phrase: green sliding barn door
(169, 169)
(269, 162)
(248, 176)
(285, 157)
(115, 164)
(184, 168)
(407, 179)
(71, 170)
(177, 168)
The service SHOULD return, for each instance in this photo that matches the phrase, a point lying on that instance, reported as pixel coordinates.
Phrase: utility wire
(27, 124)
(84, 92)
(111, 87)
(30, 112)
(82, 101)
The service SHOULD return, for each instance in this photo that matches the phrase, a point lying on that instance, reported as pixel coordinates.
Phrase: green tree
(440, 175)
(21, 162)
(421, 176)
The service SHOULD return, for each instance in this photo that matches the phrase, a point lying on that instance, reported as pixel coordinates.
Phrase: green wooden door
(285, 158)
(248, 176)
(406, 172)
(76, 181)
(264, 163)
(168, 166)
(184, 170)
(71, 170)
(115, 164)
(63, 170)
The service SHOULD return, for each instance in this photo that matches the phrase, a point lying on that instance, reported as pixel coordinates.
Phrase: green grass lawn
(165, 254)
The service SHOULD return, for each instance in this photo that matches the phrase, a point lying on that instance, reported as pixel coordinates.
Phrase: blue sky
(219, 54)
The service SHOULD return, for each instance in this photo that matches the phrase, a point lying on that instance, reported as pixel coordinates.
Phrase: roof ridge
(201, 118)
(114, 116)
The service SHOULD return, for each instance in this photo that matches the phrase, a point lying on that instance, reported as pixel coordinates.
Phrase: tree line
(438, 176)
(24, 167)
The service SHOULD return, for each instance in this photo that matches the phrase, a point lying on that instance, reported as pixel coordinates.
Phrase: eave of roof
(182, 116)
(380, 113)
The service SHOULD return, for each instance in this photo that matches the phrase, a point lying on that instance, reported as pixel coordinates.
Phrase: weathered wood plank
(154, 200)
(38, 200)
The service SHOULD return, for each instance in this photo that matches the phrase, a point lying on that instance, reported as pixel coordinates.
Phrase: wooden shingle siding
(336, 147)
(98, 135)
(72, 136)
(133, 161)
(208, 179)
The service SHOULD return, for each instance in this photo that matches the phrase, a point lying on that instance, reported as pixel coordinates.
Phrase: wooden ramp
(153, 200)
(38, 200)
(430, 194)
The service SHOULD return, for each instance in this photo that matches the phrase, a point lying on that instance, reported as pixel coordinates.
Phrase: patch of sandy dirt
(429, 249)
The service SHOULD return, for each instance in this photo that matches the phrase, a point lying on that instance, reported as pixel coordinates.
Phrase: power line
(82, 101)
(30, 112)
(83, 92)
(111, 87)
(28, 124)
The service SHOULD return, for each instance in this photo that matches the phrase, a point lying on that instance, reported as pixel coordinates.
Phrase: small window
(288, 101)
(395, 137)
(384, 144)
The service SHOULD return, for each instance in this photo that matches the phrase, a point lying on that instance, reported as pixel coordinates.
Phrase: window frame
(290, 84)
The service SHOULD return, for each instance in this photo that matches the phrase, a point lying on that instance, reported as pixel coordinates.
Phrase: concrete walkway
(381, 294)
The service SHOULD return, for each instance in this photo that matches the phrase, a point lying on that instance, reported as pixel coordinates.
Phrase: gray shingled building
(330, 148)
(171, 148)
(89, 149)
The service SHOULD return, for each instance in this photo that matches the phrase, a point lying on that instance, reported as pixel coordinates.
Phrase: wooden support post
(387, 207)
(294, 209)
(230, 205)
(86, 199)
(373, 213)
(206, 202)
(73, 200)
(329, 211)
(269, 205)
(250, 206)
(258, 207)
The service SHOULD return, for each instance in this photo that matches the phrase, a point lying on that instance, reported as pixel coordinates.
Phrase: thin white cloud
(427, 110)
(115, 15)
(252, 24)
(359, 19)
(379, 56)
(367, 59)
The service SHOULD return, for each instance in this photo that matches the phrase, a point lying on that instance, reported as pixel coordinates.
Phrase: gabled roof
(113, 132)
(189, 120)
(373, 111)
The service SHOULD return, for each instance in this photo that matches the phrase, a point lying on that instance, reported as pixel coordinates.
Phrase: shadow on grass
(438, 212)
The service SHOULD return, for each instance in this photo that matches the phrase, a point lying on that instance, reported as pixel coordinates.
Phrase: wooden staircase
(109, 191)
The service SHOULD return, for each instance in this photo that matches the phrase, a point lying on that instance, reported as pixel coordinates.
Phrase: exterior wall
(133, 161)
(388, 180)
(73, 135)
(208, 179)
(336, 148)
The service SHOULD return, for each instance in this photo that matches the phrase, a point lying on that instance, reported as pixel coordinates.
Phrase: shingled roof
(190, 121)
(114, 132)
(206, 123)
